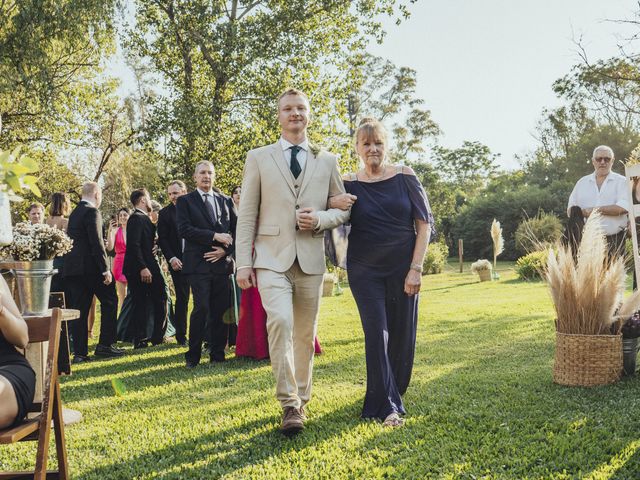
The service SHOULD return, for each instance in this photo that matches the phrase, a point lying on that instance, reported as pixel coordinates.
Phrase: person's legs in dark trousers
(615, 244)
(158, 298)
(402, 317)
(139, 298)
(369, 291)
(202, 301)
(181, 306)
(219, 304)
(108, 312)
(79, 296)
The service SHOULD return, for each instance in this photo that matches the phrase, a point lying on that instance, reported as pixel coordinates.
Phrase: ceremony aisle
(481, 404)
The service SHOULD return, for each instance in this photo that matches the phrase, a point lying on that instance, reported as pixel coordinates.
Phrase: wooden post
(460, 253)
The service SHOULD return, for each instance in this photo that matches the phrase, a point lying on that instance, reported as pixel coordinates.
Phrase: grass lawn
(481, 404)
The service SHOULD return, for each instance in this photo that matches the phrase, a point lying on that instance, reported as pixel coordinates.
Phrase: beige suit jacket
(270, 197)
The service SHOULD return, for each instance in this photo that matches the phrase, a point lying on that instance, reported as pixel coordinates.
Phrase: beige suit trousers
(291, 300)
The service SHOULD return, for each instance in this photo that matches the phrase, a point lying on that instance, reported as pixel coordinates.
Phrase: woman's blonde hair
(370, 127)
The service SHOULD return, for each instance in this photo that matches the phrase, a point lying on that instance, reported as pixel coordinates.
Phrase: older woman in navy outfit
(391, 224)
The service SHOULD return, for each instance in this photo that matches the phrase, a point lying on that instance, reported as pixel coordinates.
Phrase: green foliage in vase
(15, 173)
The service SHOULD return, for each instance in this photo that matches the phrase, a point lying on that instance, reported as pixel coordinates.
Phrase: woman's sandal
(393, 420)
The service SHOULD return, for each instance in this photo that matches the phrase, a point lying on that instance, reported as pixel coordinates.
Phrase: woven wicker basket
(587, 360)
(485, 275)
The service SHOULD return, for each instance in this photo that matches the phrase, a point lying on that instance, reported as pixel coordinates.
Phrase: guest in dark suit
(143, 272)
(207, 222)
(170, 244)
(86, 273)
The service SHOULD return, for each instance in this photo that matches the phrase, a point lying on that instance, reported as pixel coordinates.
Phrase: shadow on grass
(258, 445)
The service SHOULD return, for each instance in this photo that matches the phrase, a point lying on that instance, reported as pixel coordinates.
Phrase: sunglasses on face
(603, 159)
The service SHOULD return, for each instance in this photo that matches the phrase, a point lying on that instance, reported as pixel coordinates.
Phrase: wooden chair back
(44, 328)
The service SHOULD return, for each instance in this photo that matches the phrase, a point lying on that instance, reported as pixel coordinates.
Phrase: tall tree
(224, 62)
(50, 60)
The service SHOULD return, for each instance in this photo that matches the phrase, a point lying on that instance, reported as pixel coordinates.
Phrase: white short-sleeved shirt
(613, 191)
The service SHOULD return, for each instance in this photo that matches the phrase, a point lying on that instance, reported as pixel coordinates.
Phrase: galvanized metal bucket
(34, 285)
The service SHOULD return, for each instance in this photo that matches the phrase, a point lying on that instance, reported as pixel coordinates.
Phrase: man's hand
(344, 201)
(215, 254)
(145, 275)
(586, 212)
(223, 238)
(107, 278)
(307, 218)
(246, 278)
(176, 264)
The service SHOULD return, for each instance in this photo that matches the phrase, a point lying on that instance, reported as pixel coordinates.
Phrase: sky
(485, 68)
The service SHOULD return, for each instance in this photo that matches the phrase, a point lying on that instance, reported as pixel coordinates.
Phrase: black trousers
(181, 306)
(210, 301)
(79, 292)
(615, 244)
(147, 296)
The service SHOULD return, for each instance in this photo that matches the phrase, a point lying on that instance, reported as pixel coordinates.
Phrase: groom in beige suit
(283, 213)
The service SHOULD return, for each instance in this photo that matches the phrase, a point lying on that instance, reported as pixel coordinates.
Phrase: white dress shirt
(211, 201)
(302, 154)
(613, 191)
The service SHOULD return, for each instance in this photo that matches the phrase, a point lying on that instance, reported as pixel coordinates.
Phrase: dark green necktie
(295, 165)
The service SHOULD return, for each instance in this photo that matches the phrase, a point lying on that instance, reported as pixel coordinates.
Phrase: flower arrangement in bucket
(482, 268)
(33, 247)
(587, 294)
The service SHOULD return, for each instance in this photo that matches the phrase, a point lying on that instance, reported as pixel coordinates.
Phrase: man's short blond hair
(203, 162)
(293, 91)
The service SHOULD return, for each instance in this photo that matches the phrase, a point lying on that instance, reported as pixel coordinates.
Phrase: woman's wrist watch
(417, 267)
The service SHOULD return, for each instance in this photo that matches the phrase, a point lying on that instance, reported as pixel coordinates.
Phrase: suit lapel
(200, 203)
(312, 163)
(278, 157)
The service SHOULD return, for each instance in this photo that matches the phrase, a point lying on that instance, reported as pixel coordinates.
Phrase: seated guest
(17, 378)
(36, 213)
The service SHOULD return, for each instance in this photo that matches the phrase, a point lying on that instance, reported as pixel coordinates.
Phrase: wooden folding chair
(46, 328)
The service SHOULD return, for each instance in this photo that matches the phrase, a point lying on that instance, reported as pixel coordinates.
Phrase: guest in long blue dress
(391, 224)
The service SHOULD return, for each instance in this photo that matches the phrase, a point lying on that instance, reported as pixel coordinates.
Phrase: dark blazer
(88, 255)
(141, 233)
(197, 228)
(168, 239)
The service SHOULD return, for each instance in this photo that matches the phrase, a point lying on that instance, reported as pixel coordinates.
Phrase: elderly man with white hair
(606, 191)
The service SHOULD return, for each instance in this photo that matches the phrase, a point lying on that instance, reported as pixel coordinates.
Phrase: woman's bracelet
(417, 267)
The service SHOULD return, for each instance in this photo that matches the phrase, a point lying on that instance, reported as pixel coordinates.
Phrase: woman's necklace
(384, 171)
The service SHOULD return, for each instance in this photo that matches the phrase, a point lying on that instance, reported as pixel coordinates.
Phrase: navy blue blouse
(382, 220)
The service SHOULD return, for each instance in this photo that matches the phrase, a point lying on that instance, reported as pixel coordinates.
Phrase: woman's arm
(12, 325)
(413, 279)
(111, 237)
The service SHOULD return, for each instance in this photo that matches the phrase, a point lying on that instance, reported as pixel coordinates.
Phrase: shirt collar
(593, 178)
(285, 144)
(88, 202)
(202, 192)
(139, 210)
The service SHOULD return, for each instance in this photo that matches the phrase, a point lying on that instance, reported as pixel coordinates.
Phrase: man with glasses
(606, 191)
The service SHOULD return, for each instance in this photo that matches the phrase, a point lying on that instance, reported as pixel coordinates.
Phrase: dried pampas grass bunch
(586, 292)
(498, 241)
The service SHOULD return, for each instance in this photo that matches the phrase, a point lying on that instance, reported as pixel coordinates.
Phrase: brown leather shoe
(292, 422)
(303, 414)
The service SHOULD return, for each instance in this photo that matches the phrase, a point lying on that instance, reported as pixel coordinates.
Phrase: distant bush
(531, 266)
(435, 258)
(538, 232)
